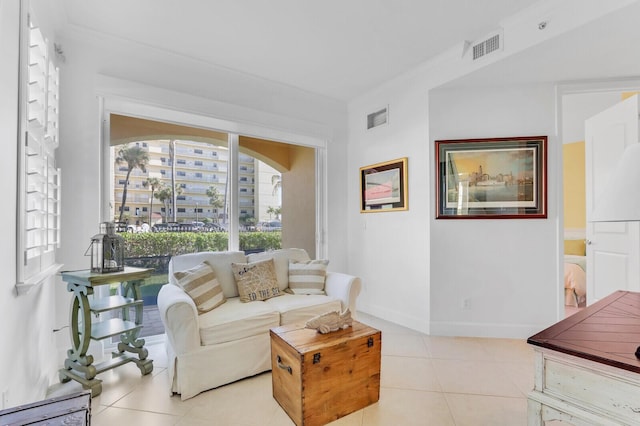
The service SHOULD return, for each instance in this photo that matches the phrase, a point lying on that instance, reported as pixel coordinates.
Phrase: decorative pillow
(575, 247)
(256, 281)
(201, 284)
(307, 277)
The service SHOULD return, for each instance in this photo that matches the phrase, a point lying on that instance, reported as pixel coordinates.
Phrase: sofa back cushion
(220, 262)
(281, 262)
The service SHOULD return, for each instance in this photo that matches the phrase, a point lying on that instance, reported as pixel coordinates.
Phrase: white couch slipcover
(231, 342)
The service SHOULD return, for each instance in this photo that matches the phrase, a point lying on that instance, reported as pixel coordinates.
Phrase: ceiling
(335, 48)
(605, 49)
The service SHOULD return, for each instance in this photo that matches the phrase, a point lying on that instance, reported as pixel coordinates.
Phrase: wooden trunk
(318, 378)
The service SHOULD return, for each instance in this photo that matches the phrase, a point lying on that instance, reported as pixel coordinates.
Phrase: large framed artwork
(384, 186)
(499, 178)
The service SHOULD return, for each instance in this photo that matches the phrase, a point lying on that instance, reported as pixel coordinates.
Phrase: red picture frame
(492, 178)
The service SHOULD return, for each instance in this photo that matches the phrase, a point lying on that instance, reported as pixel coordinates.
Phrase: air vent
(377, 118)
(487, 46)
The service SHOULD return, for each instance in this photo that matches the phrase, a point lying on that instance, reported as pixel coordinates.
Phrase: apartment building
(198, 167)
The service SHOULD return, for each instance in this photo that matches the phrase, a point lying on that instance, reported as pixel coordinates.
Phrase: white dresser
(586, 371)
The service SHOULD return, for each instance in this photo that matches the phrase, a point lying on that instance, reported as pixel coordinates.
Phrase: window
(198, 163)
(254, 193)
(197, 151)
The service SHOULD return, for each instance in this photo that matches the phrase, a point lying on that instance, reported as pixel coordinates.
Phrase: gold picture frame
(383, 187)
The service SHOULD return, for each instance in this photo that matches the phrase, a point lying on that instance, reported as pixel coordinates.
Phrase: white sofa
(232, 342)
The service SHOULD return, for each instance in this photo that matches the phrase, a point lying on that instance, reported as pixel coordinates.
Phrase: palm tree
(153, 183)
(276, 183)
(135, 157)
(214, 198)
(275, 211)
(172, 160)
(165, 195)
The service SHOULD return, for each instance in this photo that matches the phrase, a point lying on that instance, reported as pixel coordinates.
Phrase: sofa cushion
(220, 262)
(307, 277)
(302, 307)
(256, 281)
(201, 284)
(281, 261)
(236, 320)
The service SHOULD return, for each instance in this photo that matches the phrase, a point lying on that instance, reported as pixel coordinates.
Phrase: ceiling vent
(378, 118)
(493, 43)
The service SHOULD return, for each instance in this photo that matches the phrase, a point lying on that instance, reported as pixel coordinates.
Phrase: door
(613, 252)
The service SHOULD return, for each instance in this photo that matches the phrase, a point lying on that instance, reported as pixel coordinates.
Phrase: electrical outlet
(466, 304)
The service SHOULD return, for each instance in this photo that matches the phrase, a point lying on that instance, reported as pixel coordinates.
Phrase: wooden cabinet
(79, 365)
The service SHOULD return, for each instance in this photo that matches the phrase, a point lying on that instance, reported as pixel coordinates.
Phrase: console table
(586, 371)
(79, 365)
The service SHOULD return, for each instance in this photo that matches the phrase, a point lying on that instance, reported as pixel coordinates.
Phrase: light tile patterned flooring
(425, 380)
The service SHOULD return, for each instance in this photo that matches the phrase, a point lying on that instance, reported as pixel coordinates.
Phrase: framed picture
(384, 186)
(500, 178)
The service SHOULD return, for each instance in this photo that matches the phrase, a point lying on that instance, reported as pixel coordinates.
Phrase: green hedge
(175, 243)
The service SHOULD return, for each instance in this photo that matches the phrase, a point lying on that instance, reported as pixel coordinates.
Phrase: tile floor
(425, 380)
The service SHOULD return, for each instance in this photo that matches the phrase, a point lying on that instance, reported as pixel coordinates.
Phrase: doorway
(579, 103)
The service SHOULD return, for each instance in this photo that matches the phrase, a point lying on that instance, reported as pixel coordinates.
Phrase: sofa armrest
(345, 288)
(180, 318)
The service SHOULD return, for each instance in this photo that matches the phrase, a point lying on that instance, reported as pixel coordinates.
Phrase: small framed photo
(499, 178)
(384, 187)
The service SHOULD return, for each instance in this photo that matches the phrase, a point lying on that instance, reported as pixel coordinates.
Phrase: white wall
(503, 266)
(416, 270)
(26, 321)
(390, 250)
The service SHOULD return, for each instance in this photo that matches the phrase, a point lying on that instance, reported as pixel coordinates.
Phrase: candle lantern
(107, 250)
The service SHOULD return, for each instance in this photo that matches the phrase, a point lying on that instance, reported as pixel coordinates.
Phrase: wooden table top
(305, 340)
(607, 332)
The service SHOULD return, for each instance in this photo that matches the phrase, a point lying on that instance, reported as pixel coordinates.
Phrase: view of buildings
(198, 167)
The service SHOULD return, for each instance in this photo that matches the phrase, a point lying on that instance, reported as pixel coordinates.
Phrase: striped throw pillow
(307, 277)
(201, 284)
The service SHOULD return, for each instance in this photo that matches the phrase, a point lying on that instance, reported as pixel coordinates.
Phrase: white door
(613, 249)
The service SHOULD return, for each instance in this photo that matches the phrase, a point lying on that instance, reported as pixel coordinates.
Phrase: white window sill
(37, 280)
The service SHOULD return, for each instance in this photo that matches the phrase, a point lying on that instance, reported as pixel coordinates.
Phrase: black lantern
(107, 250)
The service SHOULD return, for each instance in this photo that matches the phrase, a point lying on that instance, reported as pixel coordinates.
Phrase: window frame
(113, 104)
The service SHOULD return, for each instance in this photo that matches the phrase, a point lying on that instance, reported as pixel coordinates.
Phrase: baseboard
(475, 329)
(400, 318)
